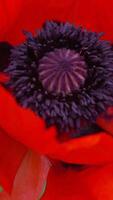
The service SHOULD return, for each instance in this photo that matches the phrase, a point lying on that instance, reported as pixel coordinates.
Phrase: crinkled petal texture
(30, 178)
(91, 183)
(14, 15)
(24, 126)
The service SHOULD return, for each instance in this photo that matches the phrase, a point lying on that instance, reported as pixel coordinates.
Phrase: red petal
(11, 155)
(91, 183)
(30, 178)
(10, 11)
(107, 122)
(30, 130)
(4, 196)
(15, 15)
(3, 78)
(23, 125)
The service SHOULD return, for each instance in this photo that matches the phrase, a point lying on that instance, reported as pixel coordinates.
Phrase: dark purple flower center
(65, 74)
(62, 71)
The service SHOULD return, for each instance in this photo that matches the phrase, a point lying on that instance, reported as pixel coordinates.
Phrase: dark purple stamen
(65, 74)
(62, 71)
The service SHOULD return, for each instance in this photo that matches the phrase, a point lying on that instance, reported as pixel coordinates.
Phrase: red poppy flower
(90, 177)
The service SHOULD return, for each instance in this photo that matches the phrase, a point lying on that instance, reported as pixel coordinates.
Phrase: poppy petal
(9, 13)
(30, 178)
(30, 130)
(4, 196)
(3, 78)
(11, 155)
(23, 125)
(106, 122)
(90, 14)
(94, 183)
